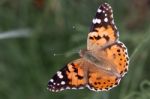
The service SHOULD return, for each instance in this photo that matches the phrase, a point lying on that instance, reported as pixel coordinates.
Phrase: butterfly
(102, 64)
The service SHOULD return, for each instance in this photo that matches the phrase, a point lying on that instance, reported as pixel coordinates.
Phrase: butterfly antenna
(54, 53)
(73, 52)
(57, 54)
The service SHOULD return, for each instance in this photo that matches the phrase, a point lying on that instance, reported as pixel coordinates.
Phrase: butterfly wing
(118, 54)
(103, 29)
(100, 80)
(72, 76)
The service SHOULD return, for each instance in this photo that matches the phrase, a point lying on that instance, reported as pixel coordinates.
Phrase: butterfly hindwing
(101, 81)
(115, 55)
(118, 54)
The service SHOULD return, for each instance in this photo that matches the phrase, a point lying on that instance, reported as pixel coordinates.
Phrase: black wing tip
(103, 17)
(105, 5)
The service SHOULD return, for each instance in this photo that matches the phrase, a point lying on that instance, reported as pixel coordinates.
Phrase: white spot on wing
(51, 80)
(52, 90)
(67, 87)
(58, 84)
(56, 90)
(115, 27)
(73, 88)
(111, 15)
(62, 82)
(106, 20)
(59, 74)
(107, 9)
(96, 21)
(112, 22)
(61, 89)
(81, 87)
(99, 10)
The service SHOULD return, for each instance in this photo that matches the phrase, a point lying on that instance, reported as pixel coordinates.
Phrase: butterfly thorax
(100, 61)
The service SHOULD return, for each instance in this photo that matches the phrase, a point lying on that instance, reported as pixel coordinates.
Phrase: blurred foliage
(27, 62)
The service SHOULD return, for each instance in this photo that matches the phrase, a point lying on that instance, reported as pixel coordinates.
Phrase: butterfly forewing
(103, 29)
(72, 76)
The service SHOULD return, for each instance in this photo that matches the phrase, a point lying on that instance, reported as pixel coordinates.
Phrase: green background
(33, 33)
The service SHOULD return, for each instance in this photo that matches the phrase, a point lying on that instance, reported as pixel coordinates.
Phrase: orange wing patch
(75, 74)
(101, 81)
(101, 37)
(118, 54)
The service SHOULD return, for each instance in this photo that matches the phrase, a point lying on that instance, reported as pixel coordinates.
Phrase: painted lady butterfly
(102, 64)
